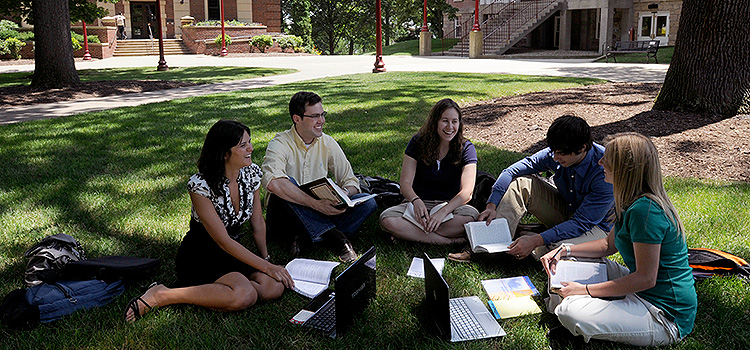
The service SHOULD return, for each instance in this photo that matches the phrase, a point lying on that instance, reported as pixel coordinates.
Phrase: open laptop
(335, 310)
(457, 319)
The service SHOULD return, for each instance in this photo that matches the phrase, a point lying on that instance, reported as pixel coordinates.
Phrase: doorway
(143, 20)
(654, 25)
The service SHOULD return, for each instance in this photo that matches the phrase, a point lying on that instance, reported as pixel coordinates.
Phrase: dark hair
(301, 100)
(219, 141)
(429, 141)
(568, 134)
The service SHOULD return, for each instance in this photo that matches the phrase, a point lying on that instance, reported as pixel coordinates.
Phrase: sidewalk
(314, 67)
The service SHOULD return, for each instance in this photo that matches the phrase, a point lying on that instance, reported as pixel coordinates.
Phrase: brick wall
(194, 37)
(268, 12)
(230, 10)
(197, 10)
(106, 35)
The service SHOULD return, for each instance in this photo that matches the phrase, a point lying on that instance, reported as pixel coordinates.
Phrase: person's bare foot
(139, 306)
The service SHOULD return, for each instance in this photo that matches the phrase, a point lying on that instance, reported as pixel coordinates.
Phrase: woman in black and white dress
(213, 269)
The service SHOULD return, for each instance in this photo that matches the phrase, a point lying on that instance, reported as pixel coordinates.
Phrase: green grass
(411, 47)
(199, 75)
(116, 181)
(664, 56)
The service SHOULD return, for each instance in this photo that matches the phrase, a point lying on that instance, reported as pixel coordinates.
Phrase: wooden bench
(649, 47)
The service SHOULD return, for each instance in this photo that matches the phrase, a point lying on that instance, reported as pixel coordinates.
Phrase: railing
(520, 14)
(504, 16)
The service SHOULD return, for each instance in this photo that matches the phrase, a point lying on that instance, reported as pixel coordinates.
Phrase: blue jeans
(313, 222)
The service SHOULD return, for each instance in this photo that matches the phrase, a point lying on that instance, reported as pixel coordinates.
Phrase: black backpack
(388, 191)
(710, 262)
(482, 190)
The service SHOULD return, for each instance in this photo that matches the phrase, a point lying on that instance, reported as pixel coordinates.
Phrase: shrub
(79, 37)
(227, 39)
(27, 36)
(12, 47)
(262, 42)
(289, 41)
(6, 24)
(8, 33)
(76, 43)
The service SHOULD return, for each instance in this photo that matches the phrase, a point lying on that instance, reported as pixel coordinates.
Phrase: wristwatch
(267, 258)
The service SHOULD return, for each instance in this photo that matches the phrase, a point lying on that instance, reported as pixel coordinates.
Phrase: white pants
(632, 320)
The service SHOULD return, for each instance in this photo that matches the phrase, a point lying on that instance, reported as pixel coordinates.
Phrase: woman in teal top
(659, 303)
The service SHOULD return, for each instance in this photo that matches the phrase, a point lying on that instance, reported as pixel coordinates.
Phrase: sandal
(133, 305)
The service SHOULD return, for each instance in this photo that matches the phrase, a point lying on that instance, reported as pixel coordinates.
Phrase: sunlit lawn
(199, 75)
(116, 180)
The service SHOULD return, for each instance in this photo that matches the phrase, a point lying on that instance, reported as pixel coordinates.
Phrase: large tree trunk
(54, 66)
(710, 69)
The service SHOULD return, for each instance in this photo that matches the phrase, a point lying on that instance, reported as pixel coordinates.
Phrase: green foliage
(299, 24)
(8, 33)
(76, 43)
(262, 42)
(7, 25)
(289, 41)
(26, 36)
(79, 38)
(227, 39)
(80, 10)
(12, 47)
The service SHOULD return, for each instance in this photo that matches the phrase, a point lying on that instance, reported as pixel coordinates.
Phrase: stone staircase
(148, 47)
(508, 21)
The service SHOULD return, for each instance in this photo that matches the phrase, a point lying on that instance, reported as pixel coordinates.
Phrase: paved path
(312, 67)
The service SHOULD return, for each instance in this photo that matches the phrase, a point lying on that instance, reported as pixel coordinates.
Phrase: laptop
(335, 310)
(457, 319)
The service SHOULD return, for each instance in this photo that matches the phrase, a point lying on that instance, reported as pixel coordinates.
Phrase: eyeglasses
(316, 116)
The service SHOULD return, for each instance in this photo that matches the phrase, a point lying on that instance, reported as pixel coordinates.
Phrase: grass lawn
(411, 47)
(664, 56)
(116, 179)
(200, 75)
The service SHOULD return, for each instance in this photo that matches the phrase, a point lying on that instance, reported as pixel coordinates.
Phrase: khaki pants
(539, 197)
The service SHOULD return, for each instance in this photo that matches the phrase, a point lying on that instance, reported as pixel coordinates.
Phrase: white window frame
(663, 40)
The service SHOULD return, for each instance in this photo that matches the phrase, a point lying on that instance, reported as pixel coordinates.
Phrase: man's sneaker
(348, 255)
(340, 245)
(462, 257)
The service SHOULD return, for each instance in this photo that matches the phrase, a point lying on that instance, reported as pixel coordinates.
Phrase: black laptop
(335, 310)
(456, 319)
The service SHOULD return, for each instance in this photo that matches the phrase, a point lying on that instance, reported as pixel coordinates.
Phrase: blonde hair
(636, 172)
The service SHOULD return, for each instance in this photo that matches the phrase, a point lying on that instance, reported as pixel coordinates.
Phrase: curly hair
(429, 140)
(219, 141)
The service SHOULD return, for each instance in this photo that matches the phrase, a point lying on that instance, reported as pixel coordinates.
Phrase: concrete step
(146, 47)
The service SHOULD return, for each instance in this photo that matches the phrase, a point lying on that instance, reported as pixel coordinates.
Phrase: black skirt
(200, 260)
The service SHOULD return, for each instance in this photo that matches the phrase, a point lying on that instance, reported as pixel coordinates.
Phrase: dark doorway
(143, 20)
(214, 10)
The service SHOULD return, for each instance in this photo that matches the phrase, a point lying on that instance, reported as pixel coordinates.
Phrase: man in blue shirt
(575, 205)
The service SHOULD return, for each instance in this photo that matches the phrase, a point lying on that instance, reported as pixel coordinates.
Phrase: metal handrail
(524, 12)
(469, 23)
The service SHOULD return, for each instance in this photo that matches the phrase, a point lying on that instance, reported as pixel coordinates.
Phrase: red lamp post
(424, 18)
(86, 54)
(223, 37)
(476, 17)
(162, 62)
(379, 65)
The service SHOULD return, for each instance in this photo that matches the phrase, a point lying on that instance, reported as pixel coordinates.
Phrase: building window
(654, 25)
(214, 13)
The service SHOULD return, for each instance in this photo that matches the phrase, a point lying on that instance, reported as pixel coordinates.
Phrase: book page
(410, 216)
(496, 233)
(416, 269)
(340, 192)
(323, 191)
(578, 271)
(509, 288)
(502, 309)
(307, 272)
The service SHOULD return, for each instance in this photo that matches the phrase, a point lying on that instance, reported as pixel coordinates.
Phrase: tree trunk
(710, 69)
(54, 66)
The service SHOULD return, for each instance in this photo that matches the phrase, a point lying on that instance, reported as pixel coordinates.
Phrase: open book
(578, 271)
(511, 297)
(494, 238)
(325, 188)
(411, 217)
(310, 276)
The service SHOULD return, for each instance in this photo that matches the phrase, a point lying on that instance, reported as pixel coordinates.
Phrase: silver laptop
(457, 319)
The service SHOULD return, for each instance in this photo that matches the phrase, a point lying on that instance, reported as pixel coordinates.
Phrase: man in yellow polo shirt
(300, 155)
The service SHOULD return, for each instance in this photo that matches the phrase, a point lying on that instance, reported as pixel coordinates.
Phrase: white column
(605, 28)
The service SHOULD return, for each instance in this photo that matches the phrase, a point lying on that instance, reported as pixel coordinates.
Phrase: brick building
(141, 13)
(587, 25)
